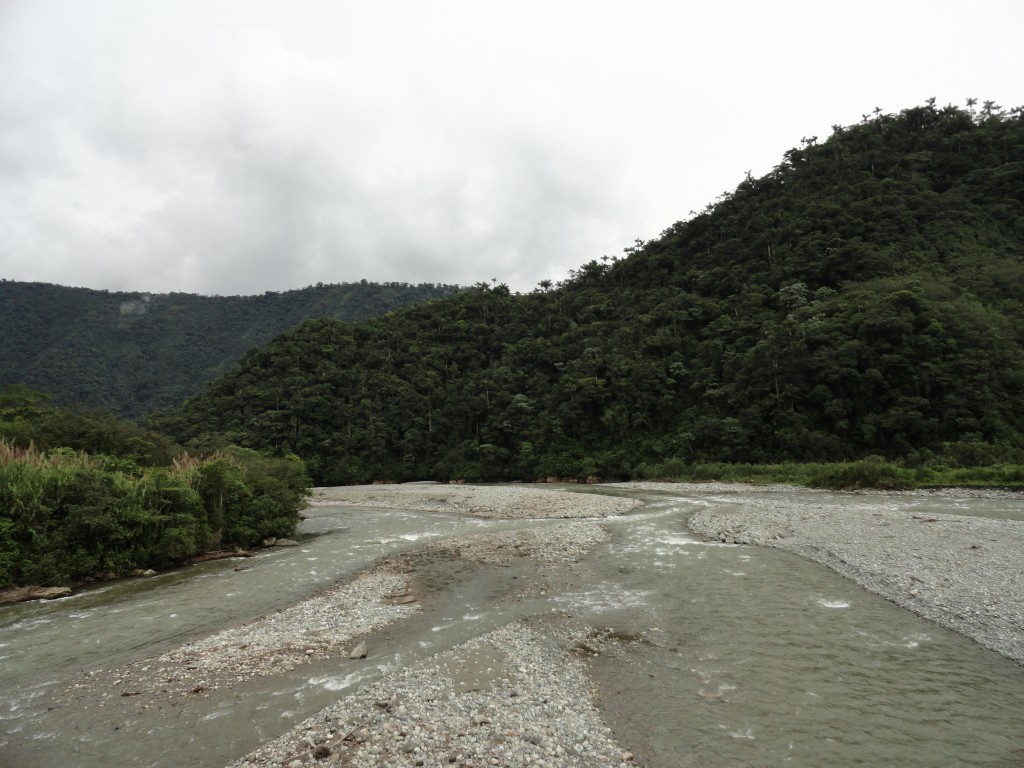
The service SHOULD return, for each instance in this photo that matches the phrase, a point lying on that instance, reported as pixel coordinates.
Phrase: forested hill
(133, 353)
(864, 298)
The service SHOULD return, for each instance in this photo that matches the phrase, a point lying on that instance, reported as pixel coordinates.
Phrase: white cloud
(237, 147)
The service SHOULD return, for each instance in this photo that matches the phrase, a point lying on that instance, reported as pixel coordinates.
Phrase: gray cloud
(239, 147)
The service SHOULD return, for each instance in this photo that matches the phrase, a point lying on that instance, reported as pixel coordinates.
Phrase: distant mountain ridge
(136, 353)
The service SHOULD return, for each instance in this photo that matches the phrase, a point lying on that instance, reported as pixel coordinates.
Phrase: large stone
(359, 652)
(286, 543)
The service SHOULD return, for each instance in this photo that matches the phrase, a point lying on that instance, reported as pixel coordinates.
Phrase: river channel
(745, 656)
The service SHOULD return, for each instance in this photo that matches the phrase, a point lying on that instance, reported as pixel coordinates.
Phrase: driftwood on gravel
(220, 554)
(22, 594)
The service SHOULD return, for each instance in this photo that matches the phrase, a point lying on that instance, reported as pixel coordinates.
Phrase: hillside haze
(135, 353)
(864, 298)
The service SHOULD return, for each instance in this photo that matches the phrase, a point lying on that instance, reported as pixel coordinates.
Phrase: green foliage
(862, 299)
(136, 353)
(871, 472)
(68, 517)
(248, 496)
(30, 418)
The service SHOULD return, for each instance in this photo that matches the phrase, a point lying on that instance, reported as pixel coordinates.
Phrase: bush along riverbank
(70, 517)
(872, 472)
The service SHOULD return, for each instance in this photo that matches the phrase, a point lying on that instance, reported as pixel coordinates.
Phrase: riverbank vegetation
(871, 472)
(863, 299)
(104, 500)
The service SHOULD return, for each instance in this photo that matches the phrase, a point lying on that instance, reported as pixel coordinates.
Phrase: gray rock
(359, 652)
(286, 543)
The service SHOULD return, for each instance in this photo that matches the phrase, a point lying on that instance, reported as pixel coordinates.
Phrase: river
(749, 656)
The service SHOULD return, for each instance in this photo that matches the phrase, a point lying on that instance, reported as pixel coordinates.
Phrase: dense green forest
(863, 299)
(135, 353)
(84, 495)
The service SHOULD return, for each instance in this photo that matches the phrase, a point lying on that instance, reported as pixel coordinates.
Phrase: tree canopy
(135, 353)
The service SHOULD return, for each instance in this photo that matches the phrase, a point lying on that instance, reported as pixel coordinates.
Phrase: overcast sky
(235, 146)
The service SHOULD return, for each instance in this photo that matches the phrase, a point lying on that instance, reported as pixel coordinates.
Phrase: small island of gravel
(488, 501)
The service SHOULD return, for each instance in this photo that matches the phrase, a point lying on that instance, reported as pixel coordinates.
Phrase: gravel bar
(512, 697)
(325, 625)
(489, 501)
(964, 573)
(541, 699)
(564, 542)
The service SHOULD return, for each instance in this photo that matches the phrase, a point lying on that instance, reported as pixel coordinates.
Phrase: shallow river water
(743, 656)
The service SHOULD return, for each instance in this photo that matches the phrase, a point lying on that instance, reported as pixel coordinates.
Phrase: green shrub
(66, 517)
(249, 496)
(866, 473)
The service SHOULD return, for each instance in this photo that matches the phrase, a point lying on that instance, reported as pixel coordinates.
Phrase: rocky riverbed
(532, 707)
(519, 695)
(515, 502)
(964, 573)
(317, 628)
(513, 697)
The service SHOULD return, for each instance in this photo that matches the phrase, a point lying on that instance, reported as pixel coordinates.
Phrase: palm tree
(990, 108)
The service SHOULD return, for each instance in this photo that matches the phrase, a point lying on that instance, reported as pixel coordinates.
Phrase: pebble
(498, 501)
(552, 722)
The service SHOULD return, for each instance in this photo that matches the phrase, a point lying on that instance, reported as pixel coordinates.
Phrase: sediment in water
(964, 573)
